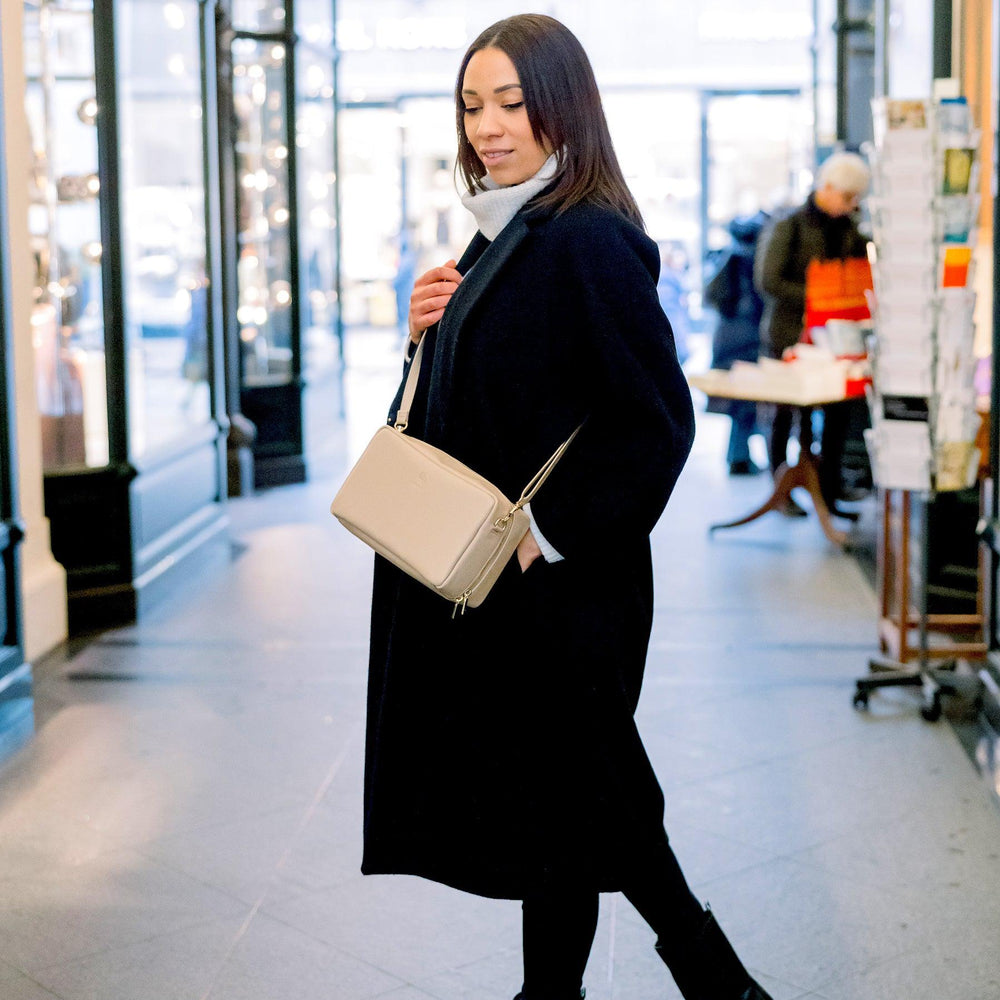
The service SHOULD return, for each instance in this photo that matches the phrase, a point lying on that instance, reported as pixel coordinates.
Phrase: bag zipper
(500, 525)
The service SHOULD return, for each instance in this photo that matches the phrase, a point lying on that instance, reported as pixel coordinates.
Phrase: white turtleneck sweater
(496, 206)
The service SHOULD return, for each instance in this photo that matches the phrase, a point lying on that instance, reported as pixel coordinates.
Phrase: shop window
(259, 15)
(371, 144)
(314, 124)
(264, 277)
(65, 225)
(163, 216)
(314, 22)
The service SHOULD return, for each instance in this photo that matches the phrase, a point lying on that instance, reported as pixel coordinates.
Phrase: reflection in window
(314, 22)
(264, 279)
(317, 210)
(259, 15)
(64, 219)
(163, 204)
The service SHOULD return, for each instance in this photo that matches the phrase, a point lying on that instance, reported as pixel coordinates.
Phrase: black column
(942, 38)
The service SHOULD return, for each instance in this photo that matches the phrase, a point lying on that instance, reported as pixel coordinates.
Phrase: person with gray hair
(824, 228)
(845, 173)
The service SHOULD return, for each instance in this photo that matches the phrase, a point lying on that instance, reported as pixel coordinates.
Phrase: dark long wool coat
(501, 748)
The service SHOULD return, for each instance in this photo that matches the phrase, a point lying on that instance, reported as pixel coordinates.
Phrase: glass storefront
(264, 263)
(283, 87)
(125, 298)
(401, 214)
(317, 180)
(163, 247)
(259, 15)
(65, 224)
(163, 221)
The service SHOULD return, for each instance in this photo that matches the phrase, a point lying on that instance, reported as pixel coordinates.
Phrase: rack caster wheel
(931, 711)
(860, 700)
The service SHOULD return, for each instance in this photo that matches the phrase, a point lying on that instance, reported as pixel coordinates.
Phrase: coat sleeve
(612, 484)
(771, 262)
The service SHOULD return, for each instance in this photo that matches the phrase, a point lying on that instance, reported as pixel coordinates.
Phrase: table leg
(803, 474)
(809, 478)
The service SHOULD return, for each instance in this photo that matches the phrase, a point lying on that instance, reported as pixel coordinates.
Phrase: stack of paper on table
(799, 383)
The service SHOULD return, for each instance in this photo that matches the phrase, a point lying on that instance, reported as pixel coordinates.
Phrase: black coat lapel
(488, 262)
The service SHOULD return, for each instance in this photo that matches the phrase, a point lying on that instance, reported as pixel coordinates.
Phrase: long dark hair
(564, 107)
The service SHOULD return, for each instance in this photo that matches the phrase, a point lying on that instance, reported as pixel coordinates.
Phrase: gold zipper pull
(460, 603)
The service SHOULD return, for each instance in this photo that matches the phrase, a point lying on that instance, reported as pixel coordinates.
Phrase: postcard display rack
(922, 441)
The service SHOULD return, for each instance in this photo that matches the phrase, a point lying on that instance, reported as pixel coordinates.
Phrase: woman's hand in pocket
(527, 551)
(432, 291)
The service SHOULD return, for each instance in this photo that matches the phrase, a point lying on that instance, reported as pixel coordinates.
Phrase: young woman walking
(502, 756)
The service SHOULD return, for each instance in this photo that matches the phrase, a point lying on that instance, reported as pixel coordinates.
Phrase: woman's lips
(494, 155)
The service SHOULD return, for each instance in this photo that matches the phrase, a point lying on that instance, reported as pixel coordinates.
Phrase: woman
(502, 757)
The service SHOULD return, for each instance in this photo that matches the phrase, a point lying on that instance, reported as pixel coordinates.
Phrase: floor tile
(15, 985)
(938, 970)
(278, 855)
(221, 961)
(72, 911)
(405, 993)
(410, 928)
(189, 810)
(799, 926)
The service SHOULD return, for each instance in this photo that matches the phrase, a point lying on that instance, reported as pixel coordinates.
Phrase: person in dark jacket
(502, 757)
(824, 228)
(731, 293)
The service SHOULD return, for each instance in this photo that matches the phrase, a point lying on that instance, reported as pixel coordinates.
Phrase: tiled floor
(185, 823)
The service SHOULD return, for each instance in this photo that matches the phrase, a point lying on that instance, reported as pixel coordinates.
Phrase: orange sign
(956, 267)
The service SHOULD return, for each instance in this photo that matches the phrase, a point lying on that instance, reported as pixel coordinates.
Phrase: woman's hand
(527, 551)
(431, 293)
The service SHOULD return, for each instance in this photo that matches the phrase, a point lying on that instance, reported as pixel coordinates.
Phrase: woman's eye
(513, 107)
(471, 111)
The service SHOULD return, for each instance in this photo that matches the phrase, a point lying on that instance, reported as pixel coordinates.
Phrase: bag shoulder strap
(410, 388)
(403, 414)
(543, 473)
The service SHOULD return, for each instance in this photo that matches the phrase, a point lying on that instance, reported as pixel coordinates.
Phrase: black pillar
(942, 38)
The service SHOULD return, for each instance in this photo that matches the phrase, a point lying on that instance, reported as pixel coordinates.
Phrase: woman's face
(496, 120)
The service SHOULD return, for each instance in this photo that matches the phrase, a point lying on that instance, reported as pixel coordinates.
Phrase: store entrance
(400, 213)
(758, 154)
(726, 153)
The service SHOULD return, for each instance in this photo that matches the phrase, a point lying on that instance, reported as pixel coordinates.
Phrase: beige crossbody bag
(430, 515)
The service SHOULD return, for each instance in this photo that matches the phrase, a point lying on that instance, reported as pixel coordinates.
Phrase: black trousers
(560, 921)
(834, 435)
(781, 431)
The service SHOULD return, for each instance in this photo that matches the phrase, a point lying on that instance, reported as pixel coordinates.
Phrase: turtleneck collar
(496, 206)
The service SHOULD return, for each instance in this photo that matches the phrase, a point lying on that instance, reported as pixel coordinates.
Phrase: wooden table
(804, 472)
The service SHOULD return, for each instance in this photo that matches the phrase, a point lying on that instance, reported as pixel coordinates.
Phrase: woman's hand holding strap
(431, 293)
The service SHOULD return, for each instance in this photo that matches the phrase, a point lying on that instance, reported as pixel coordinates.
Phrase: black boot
(707, 968)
